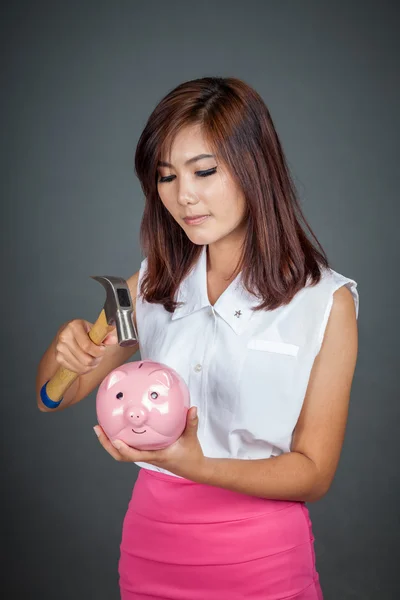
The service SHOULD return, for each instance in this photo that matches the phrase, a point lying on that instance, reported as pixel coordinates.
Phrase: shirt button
(198, 368)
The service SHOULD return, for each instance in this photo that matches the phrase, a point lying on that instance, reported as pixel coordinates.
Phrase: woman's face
(201, 187)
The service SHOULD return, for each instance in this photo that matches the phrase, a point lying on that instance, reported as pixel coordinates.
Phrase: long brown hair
(278, 258)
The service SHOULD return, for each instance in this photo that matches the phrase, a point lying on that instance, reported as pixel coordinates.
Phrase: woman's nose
(187, 195)
(187, 200)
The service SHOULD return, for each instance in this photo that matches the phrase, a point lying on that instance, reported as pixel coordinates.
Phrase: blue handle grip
(46, 400)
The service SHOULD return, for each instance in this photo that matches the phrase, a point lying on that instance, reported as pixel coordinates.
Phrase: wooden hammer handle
(64, 378)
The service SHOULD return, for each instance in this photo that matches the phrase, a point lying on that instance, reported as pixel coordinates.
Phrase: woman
(234, 296)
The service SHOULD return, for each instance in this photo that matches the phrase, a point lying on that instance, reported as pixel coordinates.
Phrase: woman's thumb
(111, 339)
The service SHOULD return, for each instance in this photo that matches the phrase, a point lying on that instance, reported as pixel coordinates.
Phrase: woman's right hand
(76, 351)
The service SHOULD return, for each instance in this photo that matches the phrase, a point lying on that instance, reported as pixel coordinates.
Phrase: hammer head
(118, 308)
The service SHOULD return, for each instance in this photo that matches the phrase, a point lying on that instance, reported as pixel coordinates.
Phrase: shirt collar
(234, 305)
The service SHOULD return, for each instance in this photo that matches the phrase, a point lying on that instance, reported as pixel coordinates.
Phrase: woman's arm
(305, 473)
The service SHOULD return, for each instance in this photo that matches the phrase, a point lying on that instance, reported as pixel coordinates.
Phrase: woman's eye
(206, 173)
(199, 173)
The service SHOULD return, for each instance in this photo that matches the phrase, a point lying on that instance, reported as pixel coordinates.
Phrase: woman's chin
(200, 238)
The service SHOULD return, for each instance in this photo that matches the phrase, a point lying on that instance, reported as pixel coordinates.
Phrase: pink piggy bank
(144, 404)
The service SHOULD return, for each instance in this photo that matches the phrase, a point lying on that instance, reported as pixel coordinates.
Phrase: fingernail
(117, 444)
(194, 414)
(97, 431)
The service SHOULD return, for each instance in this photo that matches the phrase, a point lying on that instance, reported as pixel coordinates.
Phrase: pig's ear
(114, 377)
(163, 377)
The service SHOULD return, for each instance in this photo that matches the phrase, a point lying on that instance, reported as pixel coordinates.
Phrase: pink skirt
(189, 541)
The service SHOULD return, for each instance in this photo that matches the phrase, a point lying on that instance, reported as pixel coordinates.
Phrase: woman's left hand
(184, 457)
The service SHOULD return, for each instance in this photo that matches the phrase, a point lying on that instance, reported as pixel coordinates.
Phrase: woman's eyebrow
(162, 163)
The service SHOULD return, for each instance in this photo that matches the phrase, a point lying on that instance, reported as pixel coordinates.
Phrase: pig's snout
(136, 415)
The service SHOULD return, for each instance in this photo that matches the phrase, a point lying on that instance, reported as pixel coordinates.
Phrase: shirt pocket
(272, 346)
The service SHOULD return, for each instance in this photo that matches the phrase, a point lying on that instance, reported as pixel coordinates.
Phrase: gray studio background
(79, 80)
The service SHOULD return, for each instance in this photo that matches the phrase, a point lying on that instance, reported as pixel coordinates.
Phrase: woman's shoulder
(317, 297)
(335, 281)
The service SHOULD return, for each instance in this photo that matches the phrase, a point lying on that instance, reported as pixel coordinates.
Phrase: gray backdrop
(79, 80)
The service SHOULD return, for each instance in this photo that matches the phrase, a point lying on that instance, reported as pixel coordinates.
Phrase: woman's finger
(129, 453)
(107, 445)
(134, 455)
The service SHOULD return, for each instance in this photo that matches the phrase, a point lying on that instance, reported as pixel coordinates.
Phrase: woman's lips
(196, 220)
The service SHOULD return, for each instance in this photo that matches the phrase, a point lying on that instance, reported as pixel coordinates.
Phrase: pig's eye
(154, 395)
(119, 395)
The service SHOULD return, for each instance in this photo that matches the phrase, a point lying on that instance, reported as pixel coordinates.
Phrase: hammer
(117, 311)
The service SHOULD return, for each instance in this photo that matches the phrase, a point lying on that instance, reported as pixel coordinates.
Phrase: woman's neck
(223, 258)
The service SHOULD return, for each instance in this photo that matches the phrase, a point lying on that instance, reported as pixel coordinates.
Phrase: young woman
(234, 295)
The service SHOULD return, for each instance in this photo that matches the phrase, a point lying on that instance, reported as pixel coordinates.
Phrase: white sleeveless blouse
(247, 372)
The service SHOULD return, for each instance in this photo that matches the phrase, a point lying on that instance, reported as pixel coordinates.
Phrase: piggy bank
(144, 404)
